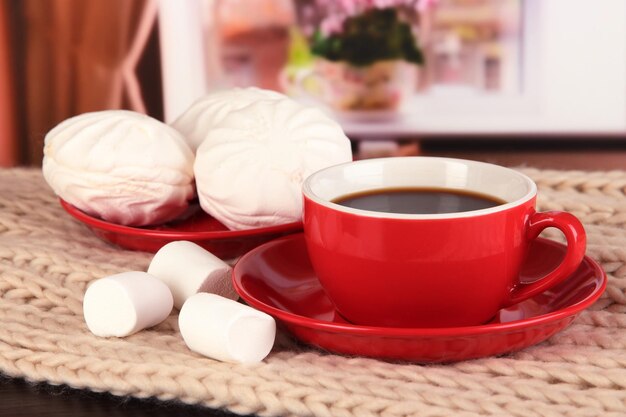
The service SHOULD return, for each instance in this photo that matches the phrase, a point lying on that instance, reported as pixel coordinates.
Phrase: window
(493, 66)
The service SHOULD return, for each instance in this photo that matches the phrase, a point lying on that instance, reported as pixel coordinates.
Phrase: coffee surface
(418, 200)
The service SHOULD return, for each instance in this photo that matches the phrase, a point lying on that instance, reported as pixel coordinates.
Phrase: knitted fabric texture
(47, 259)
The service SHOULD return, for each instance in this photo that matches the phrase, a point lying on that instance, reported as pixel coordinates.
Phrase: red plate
(277, 278)
(195, 226)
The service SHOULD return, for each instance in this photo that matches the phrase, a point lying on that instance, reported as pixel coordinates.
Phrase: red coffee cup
(428, 270)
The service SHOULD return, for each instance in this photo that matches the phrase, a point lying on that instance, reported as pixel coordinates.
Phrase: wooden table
(19, 398)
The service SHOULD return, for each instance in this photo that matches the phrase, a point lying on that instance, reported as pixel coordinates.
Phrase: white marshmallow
(204, 114)
(122, 304)
(250, 168)
(122, 166)
(187, 269)
(226, 330)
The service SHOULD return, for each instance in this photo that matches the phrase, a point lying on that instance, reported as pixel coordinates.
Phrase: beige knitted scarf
(47, 259)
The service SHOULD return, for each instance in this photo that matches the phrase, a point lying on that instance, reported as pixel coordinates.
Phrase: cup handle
(576, 245)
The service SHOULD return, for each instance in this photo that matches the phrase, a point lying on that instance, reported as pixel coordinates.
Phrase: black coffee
(414, 200)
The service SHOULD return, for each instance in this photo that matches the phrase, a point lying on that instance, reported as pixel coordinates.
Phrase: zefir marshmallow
(205, 113)
(226, 330)
(250, 166)
(122, 304)
(122, 166)
(187, 269)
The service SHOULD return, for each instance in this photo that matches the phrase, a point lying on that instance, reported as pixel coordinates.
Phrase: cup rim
(308, 192)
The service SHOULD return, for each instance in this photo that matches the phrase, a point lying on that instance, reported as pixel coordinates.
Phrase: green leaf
(299, 53)
(374, 35)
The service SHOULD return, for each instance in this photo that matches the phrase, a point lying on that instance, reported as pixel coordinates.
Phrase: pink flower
(352, 7)
(332, 24)
(383, 4)
(349, 7)
(338, 10)
(423, 5)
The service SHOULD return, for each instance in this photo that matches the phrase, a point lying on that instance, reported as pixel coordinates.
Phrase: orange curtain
(74, 52)
(8, 132)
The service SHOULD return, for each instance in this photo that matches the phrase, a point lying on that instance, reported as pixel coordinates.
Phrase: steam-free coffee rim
(328, 184)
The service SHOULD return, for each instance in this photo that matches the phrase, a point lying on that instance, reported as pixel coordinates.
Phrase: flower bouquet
(366, 53)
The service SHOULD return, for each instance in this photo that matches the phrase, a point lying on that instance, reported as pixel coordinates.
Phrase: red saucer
(277, 278)
(195, 225)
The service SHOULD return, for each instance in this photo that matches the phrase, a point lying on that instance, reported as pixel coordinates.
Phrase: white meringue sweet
(250, 168)
(122, 166)
(226, 330)
(187, 269)
(125, 303)
(207, 111)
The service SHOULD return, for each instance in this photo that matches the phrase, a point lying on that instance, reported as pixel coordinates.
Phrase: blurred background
(515, 82)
